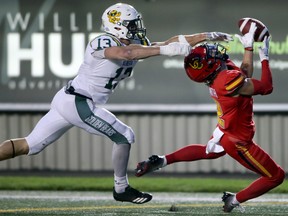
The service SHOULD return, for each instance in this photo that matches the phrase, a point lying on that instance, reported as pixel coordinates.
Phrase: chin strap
(13, 149)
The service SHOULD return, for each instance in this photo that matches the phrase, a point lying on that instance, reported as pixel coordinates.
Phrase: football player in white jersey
(109, 58)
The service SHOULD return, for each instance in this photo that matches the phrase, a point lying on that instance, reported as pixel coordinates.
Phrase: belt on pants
(69, 89)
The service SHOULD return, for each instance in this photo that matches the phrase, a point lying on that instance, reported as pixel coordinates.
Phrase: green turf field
(101, 203)
(48, 195)
(156, 184)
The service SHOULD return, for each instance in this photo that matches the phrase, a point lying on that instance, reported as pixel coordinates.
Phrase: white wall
(155, 134)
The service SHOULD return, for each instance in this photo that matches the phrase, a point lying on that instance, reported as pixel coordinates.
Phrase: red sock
(191, 152)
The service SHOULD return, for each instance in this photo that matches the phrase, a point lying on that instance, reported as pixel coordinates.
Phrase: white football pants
(69, 110)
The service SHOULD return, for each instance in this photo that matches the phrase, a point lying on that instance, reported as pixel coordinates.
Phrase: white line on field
(158, 197)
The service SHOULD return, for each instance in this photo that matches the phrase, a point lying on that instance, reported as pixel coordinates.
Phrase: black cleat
(132, 195)
(153, 163)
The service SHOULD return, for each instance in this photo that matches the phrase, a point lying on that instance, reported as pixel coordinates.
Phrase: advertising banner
(42, 45)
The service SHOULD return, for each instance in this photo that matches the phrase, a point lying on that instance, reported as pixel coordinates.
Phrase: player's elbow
(129, 54)
(279, 176)
(268, 90)
(120, 53)
(262, 88)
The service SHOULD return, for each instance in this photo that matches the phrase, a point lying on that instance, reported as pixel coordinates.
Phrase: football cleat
(132, 195)
(227, 198)
(153, 163)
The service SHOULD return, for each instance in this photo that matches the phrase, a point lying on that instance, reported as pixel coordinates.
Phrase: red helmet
(204, 61)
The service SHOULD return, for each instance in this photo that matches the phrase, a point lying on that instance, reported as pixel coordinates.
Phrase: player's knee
(130, 136)
(127, 137)
(34, 150)
(280, 176)
(215, 155)
(36, 147)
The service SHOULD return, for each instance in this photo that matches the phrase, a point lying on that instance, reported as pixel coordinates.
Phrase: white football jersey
(98, 77)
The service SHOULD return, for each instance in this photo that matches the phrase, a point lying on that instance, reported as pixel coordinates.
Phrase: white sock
(235, 201)
(120, 183)
(165, 161)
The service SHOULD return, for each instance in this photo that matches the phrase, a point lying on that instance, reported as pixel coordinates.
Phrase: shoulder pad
(234, 80)
(104, 41)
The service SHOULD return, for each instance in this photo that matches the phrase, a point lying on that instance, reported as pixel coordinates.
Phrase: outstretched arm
(265, 85)
(248, 40)
(177, 45)
(194, 39)
(141, 52)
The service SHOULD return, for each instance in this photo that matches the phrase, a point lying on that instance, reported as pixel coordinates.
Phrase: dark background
(152, 82)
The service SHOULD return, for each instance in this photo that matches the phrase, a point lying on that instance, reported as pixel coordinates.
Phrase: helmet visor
(134, 27)
(216, 51)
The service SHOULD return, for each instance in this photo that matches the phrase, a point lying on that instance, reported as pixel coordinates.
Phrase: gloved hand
(175, 48)
(248, 39)
(218, 36)
(264, 51)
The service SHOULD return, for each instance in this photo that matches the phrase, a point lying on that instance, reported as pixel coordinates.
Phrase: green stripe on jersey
(97, 123)
(115, 39)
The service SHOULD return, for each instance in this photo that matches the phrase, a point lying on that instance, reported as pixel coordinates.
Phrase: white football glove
(264, 51)
(248, 39)
(175, 48)
(218, 36)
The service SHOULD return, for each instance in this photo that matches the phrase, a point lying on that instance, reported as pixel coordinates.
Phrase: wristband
(249, 49)
(166, 50)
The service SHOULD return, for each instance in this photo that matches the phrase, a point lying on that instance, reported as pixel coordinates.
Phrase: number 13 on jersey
(121, 73)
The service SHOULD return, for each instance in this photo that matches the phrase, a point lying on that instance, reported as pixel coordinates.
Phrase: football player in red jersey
(232, 89)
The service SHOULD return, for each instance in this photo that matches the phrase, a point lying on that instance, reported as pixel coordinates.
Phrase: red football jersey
(235, 112)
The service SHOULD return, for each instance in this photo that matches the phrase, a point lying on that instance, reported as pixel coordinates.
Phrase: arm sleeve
(265, 85)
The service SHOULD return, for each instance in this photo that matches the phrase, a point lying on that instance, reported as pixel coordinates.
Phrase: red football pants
(250, 155)
(254, 158)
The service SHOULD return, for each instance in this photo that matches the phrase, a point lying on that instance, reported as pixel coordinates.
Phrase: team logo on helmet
(196, 64)
(114, 16)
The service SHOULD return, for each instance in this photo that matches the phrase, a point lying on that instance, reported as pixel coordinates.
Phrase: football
(261, 31)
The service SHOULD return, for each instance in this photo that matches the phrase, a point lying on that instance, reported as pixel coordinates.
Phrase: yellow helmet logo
(114, 16)
(196, 64)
